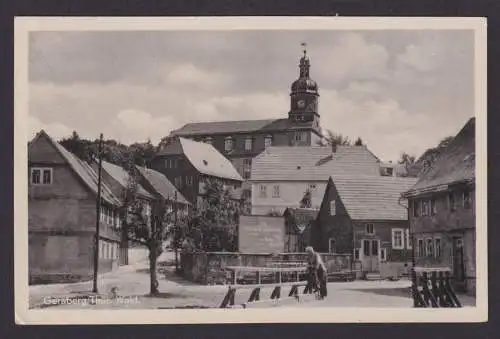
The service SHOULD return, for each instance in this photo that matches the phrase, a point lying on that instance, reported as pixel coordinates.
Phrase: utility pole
(176, 230)
(98, 216)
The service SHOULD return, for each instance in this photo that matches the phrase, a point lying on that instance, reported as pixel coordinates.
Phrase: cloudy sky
(397, 90)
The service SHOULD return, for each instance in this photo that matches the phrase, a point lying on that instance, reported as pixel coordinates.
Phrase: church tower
(304, 95)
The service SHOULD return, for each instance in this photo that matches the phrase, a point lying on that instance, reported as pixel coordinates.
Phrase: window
(276, 191)
(375, 248)
(311, 187)
(437, 247)
(228, 144)
(113, 251)
(429, 247)
(248, 144)
(366, 248)
(189, 180)
(300, 136)
(408, 239)
(425, 207)
(110, 217)
(416, 208)
(467, 201)
(167, 163)
(433, 206)
(333, 208)
(356, 254)
(208, 140)
(268, 141)
(397, 239)
(451, 201)
(331, 245)
(41, 176)
(420, 248)
(383, 254)
(247, 168)
(262, 191)
(369, 229)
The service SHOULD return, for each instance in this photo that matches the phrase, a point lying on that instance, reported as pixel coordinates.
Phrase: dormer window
(228, 144)
(248, 144)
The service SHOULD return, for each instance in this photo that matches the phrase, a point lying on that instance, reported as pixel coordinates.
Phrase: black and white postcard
(241, 169)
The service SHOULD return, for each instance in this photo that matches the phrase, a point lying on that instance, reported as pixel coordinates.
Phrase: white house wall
(291, 192)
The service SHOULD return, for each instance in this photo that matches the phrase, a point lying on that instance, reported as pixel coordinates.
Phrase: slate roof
(204, 157)
(120, 174)
(238, 126)
(312, 163)
(82, 169)
(373, 197)
(456, 163)
(161, 184)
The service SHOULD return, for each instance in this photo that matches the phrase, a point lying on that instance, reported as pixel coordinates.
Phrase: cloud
(190, 75)
(384, 125)
(388, 87)
(140, 126)
(56, 130)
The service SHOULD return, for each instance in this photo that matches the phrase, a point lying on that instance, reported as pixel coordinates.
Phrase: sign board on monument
(261, 234)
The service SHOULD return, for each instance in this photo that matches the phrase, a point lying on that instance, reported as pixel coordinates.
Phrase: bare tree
(146, 223)
(332, 138)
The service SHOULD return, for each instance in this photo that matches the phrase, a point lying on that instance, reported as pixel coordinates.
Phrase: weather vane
(304, 45)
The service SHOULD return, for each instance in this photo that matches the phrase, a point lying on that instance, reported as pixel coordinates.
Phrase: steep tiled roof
(120, 174)
(204, 157)
(373, 197)
(82, 169)
(241, 126)
(312, 163)
(161, 184)
(456, 163)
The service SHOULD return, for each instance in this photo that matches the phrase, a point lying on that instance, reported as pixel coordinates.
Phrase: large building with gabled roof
(189, 165)
(364, 215)
(282, 175)
(62, 199)
(443, 213)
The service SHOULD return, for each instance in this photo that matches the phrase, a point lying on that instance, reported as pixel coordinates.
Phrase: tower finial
(304, 46)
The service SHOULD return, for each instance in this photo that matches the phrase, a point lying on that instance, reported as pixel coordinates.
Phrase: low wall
(394, 269)
(209, 267)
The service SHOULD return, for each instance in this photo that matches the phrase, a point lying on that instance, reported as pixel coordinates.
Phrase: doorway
(371, 261)
(458, 259)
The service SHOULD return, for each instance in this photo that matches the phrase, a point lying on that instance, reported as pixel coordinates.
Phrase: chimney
(334, 147)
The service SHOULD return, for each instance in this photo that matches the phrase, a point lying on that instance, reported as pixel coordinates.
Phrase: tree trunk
(153, 257)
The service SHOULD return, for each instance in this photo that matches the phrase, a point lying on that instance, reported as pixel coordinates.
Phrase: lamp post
(98, 215)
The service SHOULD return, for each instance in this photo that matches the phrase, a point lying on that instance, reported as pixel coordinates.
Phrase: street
(130, 285)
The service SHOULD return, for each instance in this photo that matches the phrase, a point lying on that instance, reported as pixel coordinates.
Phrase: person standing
(318, 268)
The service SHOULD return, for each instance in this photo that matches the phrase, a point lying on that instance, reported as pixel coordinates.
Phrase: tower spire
(304, 62)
